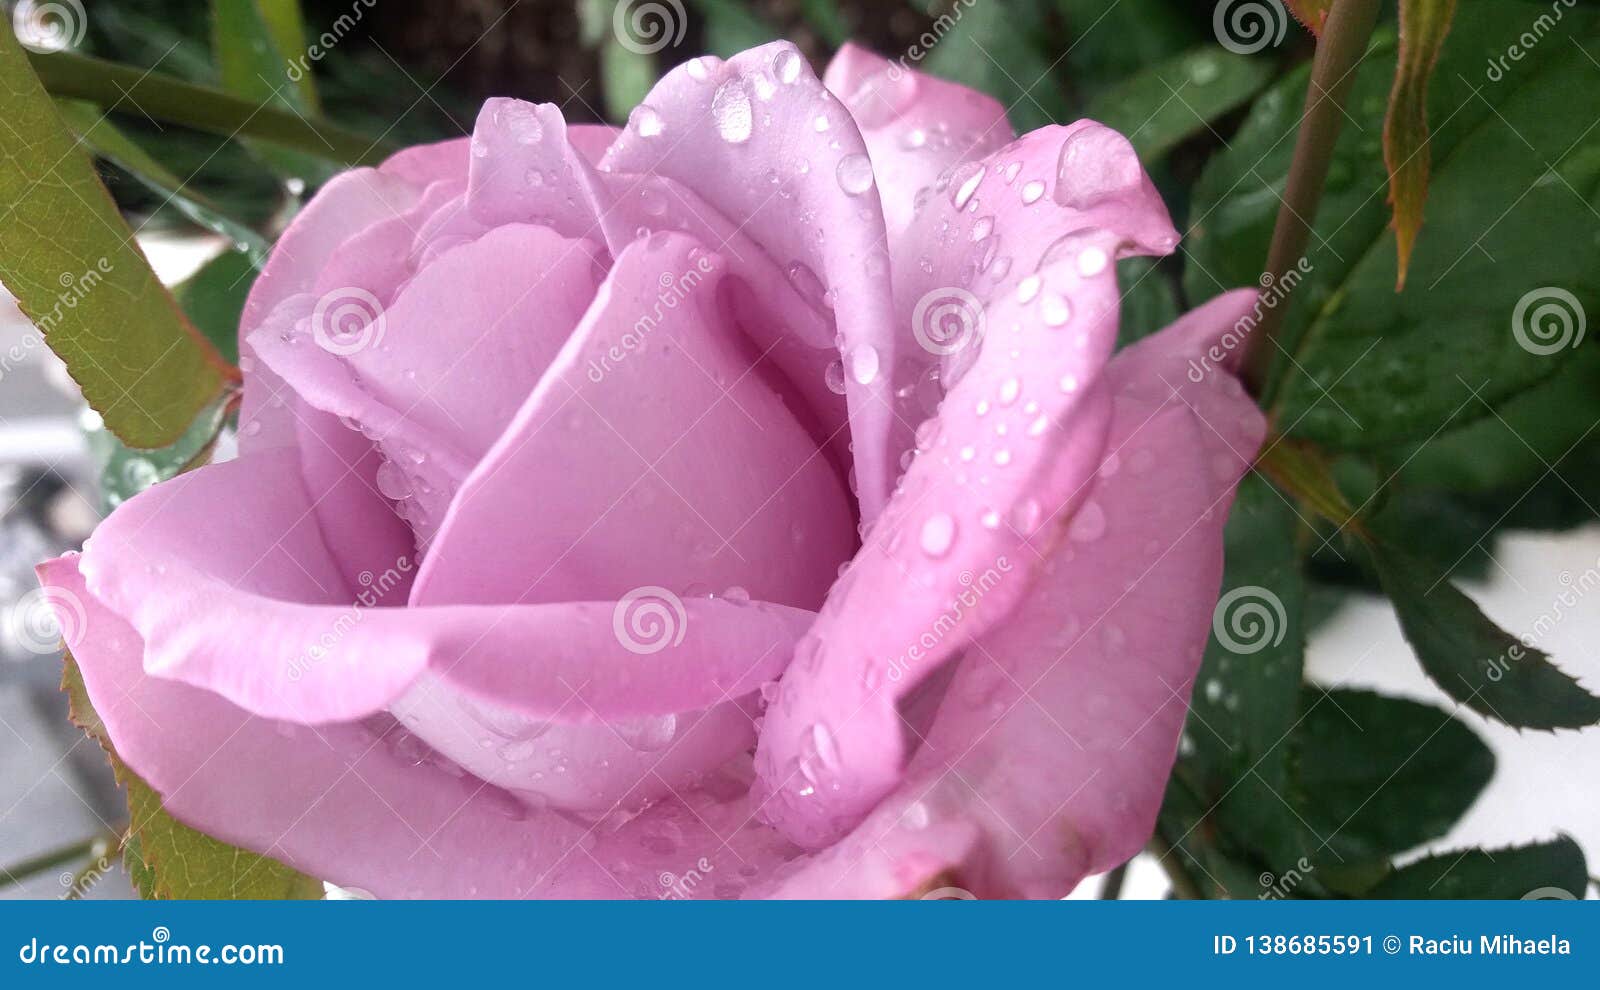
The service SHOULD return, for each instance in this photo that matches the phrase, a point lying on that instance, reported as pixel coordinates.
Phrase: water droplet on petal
(834, 377)
(1088, 524)
(855, 174)
(965, 182)
(1054, 310)
(938, 534)
(646, 120)
(786, 65)
(730, 108)
(1096, 164)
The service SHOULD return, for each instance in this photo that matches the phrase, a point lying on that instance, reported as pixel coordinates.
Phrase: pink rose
(538, 573)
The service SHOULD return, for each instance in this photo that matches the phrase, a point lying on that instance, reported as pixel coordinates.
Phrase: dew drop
(938, 534)
(730, 108)
(965, 182)
(1054, 310)
(646, 120)
(834, 377)
(1088, 524)
(1096, 164)
(786, 65)
(855, 174)
(392, 481)
(1031, 192)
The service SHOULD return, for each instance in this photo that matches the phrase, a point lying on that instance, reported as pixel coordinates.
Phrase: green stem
(131, 90)
(1343, 43)
(53, 858)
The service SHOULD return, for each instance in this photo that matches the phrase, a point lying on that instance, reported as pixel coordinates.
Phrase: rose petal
(915, 125)
(725, 130)
(349, 202)
(188, 578)
(435, 376)
(1059, 729)
(679, 465)
(999, 471)
(370, 808)
(424, 164)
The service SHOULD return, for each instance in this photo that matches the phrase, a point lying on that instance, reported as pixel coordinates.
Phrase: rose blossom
(749, 495)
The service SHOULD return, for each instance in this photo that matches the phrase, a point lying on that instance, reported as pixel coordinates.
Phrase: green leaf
(1517, 443)
(1423, 26)
(1170, 102)
(1227, 811)
(259, 47)
(994, 48)
(1542, 871)
(731, 27)
(1516, 162)
(825, 18)
(627, 75)
(1473, 660)
(1375, 776)
(214, 298)
(164, 98)
(1149, 299)
(1109, 40)
(167, 859)
(103, 138)
(71, 261)
(125, 472)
